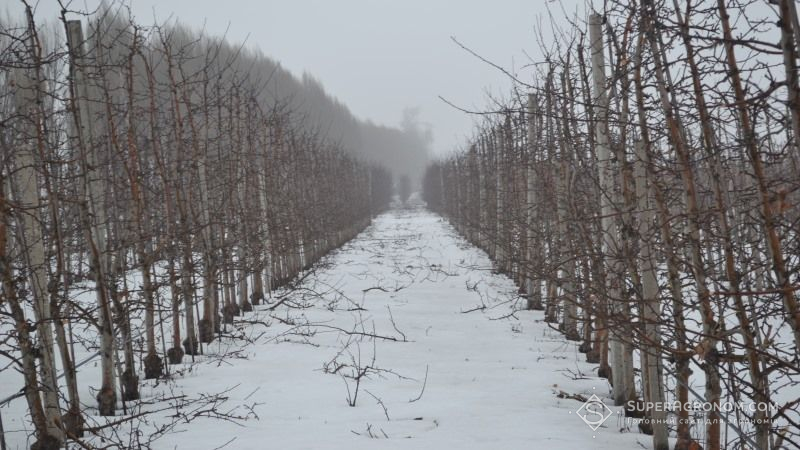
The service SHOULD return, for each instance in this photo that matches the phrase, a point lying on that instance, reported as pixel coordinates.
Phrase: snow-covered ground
(451, 366)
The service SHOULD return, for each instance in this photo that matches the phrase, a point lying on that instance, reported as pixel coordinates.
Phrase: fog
(386, 61)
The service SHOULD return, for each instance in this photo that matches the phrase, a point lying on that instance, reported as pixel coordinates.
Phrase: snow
(490, 378)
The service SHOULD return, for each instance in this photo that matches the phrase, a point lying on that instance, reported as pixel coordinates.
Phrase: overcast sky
(377, 56)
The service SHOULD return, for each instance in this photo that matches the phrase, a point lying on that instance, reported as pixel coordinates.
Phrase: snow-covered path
(451, 366)
(490, 383)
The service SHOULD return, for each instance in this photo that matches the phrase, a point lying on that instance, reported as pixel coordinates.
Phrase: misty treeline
(403, 151)
(642, 191)
(160, 155)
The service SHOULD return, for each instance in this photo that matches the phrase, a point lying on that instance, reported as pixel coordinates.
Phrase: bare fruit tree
(660, 209)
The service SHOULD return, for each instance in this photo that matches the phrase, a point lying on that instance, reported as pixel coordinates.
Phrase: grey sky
(376, 56)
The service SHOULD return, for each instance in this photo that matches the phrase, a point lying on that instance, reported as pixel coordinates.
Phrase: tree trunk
(713, 387)
(533, 288)
(31, 244)
(606, 179)
(652, 369)
(31, 239)
(92, 210)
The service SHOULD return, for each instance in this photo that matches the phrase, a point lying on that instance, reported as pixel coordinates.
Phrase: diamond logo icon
(594, 412)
